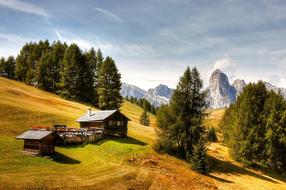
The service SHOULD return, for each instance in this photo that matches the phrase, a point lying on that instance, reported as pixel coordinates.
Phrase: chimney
(89, 112)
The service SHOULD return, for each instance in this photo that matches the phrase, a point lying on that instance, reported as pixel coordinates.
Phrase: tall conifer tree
(144, 118)
(254, 127)
(91, 64)
(180, 123)
(71, 74)
(109, 85)
(22, 67)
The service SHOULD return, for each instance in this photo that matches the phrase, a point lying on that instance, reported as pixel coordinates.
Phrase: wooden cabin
(109, 122)
(39, 142)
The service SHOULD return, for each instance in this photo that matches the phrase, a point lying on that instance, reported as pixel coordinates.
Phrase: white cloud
(282, 82)
(109, 14)
(12, 43)
(226, 65)
(24, 7)
(82, 43)
(129, 50)
(12, 37)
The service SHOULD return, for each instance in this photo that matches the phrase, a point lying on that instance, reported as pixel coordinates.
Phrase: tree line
(143, 103)
(67, 71)
(254, 127)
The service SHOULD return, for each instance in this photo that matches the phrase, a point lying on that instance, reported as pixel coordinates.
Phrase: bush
(145, 119)
(212, 135)
(198, 159)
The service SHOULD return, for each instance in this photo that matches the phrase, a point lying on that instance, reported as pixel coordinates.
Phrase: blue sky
(153, 41)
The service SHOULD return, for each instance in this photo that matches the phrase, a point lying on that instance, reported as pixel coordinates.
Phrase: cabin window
(119, 123)
(110, 123)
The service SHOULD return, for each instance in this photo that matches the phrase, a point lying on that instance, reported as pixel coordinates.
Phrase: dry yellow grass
(229, 174)
(95, 166)
(213, 117)
(112, 164)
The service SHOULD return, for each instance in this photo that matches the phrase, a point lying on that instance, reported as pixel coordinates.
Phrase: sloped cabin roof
(98, 116)
(34, 134)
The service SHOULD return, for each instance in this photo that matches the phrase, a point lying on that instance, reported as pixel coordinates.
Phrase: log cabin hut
(110, 122)
(39, 142)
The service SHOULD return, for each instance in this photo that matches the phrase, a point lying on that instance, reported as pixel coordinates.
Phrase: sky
(154, 41)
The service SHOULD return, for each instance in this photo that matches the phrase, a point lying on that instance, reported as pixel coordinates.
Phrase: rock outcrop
(220, 92)
(238, 84)
(161, 90)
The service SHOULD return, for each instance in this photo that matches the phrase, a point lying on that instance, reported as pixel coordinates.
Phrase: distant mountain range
(220, 93)
(156, 96)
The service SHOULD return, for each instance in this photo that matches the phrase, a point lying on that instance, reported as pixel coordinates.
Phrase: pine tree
(71, 74)
(246, 128)
(126, 98)
(91, 71)
(188, 103)
(99, 58)
(44, 75)
(275, 136)
(109, 85)
(180, 123)
(28, 59)
(2, 67)
(212, 135)
(254, 127)
(11, 64)
(37, 51)
(153, 110)
(22, 62)
(198, 159)
(57, 54)
(144, 118)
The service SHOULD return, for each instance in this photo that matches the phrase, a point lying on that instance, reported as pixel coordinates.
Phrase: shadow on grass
(219, 179)
(127, 140)
(270, 172)
(61, 158)
(226, 167)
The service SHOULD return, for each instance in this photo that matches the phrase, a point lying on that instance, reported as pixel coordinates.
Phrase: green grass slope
(22, 106)
(113, 163)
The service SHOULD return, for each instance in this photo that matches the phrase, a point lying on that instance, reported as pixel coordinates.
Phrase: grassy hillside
(23, 106)
(213, 117)
(110, 164)
(113, 163)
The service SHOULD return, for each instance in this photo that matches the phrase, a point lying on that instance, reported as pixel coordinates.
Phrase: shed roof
(97, 116)
(34, 134)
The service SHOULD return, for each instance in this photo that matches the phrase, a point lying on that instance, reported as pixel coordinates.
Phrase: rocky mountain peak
(239, 84)
(220, 92)
(161, 90)
(218, 78)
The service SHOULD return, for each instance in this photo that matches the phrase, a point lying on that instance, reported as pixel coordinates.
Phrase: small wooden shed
(39, 142)
(110, 122)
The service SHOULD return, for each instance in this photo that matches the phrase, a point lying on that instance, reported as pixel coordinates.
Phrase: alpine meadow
(141, 95)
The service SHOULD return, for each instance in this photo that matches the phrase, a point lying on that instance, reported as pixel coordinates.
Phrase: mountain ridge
(220, 92)
(157, 96)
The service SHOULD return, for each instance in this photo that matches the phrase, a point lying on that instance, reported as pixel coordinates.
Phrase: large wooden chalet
(110, 122)
(39, 142)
